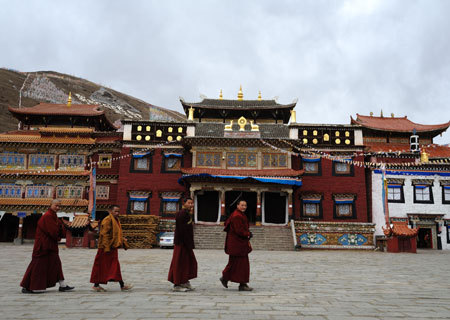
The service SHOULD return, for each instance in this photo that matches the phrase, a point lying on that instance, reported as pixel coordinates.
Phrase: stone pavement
(288, 285)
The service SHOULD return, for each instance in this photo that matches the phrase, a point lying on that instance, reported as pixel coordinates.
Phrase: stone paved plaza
(288, 285)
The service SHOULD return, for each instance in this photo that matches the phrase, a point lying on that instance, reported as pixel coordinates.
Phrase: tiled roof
(80, 221)
(42, 202)
(400, 124)
(245, 172)
(60, 109)
(39, 139)
(214, 129)
(434, 150)
(65, 130)
(237, 104)
(50, 173)
(401, 229)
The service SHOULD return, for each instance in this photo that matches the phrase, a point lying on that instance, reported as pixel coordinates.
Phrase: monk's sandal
(245, 287)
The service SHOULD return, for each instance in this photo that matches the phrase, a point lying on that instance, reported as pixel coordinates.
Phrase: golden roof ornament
(423, 156)
(69, 100)
(242, 122)
(191, 114)
(392, 115)
(293, 116)
(220, 95)
(240, 93)
(259, 96)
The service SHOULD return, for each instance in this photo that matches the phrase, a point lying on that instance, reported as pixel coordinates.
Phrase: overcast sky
(338, 58)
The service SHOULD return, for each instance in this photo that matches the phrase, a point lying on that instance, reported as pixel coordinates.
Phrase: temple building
(415, 179)
(49, 157)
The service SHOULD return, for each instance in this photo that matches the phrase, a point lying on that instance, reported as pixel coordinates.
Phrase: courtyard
(287, 285)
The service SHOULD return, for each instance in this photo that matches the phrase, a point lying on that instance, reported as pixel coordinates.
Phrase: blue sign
(21, 214)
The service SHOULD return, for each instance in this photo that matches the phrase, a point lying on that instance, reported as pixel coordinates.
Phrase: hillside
(31, 88)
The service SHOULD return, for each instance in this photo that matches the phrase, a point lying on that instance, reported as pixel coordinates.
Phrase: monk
(237, 246)
(45, 269)
(106, 264)
(184, 265)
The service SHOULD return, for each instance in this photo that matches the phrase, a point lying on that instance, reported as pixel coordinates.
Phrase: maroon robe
(184, 265)
(45, 268)
(237, 246)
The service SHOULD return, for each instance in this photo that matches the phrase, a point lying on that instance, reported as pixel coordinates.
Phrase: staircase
(264, 237)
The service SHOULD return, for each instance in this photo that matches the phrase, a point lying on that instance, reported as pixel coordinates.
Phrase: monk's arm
(240, 227)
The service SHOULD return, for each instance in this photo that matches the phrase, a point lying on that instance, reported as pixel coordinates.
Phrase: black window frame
(319, 168)
(150, 164)
(335, 214)
(402, 195)
(351, 172)
(430, 188)
(303, 214)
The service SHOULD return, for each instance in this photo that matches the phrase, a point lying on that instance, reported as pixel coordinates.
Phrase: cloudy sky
(338, 58)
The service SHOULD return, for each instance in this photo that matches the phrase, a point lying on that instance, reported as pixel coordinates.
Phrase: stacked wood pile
(140, 230)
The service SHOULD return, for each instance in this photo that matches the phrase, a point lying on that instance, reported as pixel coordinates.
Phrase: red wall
(327, 185)
(155, 182)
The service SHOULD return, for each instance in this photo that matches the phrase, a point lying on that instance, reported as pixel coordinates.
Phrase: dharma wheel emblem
(242, 122)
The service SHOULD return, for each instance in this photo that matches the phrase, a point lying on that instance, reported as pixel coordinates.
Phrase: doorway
(207, 206)
(232, 198)
(425, 238)
(275, 208)
(8, 227)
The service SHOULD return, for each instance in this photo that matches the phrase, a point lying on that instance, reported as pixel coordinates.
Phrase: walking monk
(106, 265)
(184, 265)
(237, 246)
(45, 268)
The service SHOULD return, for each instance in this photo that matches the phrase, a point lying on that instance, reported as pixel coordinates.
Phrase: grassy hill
(31, 88)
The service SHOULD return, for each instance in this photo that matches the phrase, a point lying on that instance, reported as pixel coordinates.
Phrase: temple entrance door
(425, 238)
(30, 225)
(8, 227)
(231, 201)
(207, 206)
(275, 208)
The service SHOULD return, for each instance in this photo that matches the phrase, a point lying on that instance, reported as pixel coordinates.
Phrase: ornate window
(344, 206)
(395, 190)
(12, 160)
(39, 191)
(274, 160)
(343, 167)
(209, 159)
(10, 190)
(71, 161)
(46, 161)
(70, 191)
(170, 203)
(171, 162)
(141, 162)
(241, 160)
(138, 202)
(423, 192)
(312, 166)
(104, 161)
(311, 206)
(101, 192)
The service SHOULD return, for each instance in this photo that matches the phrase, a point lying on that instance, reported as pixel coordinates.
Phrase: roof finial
(69, 100)
(220, 95)
(259, 95)
(240, 93)
(371, 113)
(392, 115)
(381, 114)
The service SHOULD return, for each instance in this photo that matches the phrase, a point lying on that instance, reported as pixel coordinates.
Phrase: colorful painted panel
(209, 159)
(350, 239)
(242, 160)
(274, 160)
(312, 239)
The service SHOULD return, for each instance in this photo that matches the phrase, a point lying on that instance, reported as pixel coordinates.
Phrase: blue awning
(394, 186)
(284, 181)
(177, 155)
(142, 199)
(414, 173)
(311, 201)
(170, 199)
(140, 155)
(343, 201)
(311, 160)
(421, 187)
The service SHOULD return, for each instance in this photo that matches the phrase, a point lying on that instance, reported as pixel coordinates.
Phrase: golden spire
(259, 96)
(240, 94)
(220, 95)
(423, 156)
(191, 114)
(69, 100)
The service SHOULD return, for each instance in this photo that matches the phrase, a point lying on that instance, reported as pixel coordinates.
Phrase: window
(101, 192)
(445, 192)
(39, 191)
(138, 202)
(104, 161)
(41, 161)
(242, 160)
(141, 162)
(274, 160)
(344, 207)
(69, 191)
(71, 161)
(343, 167)
(170, 203)
(12, 160)
(311, 166)
(395, 193)
(423, 194)
(311, 206)
(209, 159)
(10, 190)
(172, 162)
